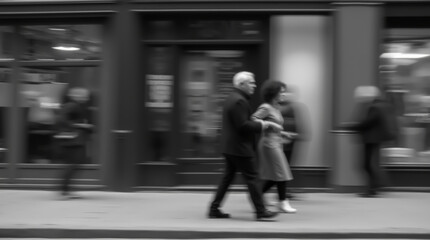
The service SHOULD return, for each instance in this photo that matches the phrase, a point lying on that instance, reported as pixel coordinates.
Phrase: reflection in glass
(6, 40)
(405, 77)
(62, 42)
(206, 82)
(44, 94)
(5, 104)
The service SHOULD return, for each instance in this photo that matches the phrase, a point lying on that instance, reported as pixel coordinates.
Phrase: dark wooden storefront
(125, 156)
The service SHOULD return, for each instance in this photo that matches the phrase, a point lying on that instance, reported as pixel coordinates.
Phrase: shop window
(6, 40)
(159, 101)
(405, 77)
(206, 81)
(62, 42)
(5, 103)
(45, 93)
(203, 81)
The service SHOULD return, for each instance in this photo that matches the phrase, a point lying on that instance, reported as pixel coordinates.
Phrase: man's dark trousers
(246, 166)
(372, 167)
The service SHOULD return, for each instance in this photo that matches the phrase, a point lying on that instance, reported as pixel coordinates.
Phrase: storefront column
(357, 48)
(120, 174)
(15, 115)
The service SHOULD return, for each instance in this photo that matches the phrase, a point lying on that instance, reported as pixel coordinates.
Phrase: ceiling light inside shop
(404, 55)
(57, 29)
(67, 47)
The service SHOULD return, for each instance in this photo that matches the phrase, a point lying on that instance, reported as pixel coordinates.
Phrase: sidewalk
(182, 215)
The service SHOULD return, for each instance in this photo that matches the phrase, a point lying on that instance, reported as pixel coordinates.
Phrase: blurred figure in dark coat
(376, 126)
(74, 129)
(295, 121)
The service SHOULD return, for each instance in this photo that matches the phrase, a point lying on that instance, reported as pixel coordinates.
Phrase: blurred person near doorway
(295, 117)
(375, 127)
(74, 130)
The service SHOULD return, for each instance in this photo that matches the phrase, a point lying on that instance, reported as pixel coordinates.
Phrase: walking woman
(274, 168)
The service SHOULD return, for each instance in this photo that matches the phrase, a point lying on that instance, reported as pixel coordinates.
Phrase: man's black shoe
(266, 215)
(218, 214)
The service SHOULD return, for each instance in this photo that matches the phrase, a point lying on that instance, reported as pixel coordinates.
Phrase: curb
(185, 234)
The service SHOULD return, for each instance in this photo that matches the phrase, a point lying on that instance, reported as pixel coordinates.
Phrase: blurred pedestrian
(74, 130)
(376, 127)
(295, 118)
(238, 136)
(274, 167)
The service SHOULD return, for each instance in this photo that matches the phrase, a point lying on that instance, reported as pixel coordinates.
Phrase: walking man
(376, 127)
(238, 146)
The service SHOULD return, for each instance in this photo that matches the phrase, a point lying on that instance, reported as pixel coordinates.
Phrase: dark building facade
(159, 70)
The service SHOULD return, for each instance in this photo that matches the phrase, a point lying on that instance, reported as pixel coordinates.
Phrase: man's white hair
(241, 77)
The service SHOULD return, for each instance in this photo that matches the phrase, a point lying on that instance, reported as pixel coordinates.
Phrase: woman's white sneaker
(284, 206)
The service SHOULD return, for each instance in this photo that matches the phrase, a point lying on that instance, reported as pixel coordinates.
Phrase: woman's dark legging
(281, 186)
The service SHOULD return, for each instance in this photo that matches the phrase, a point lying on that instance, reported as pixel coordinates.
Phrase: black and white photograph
(214, 119)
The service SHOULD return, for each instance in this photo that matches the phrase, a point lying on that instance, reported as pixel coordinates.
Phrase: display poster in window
(159, 87)
(206, 81)
(199, 90)
(159, 91)
(226, 68)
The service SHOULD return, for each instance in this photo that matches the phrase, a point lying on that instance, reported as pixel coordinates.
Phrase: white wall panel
(301, 57)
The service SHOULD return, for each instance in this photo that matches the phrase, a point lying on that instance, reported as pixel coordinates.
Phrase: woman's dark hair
(271, 89)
